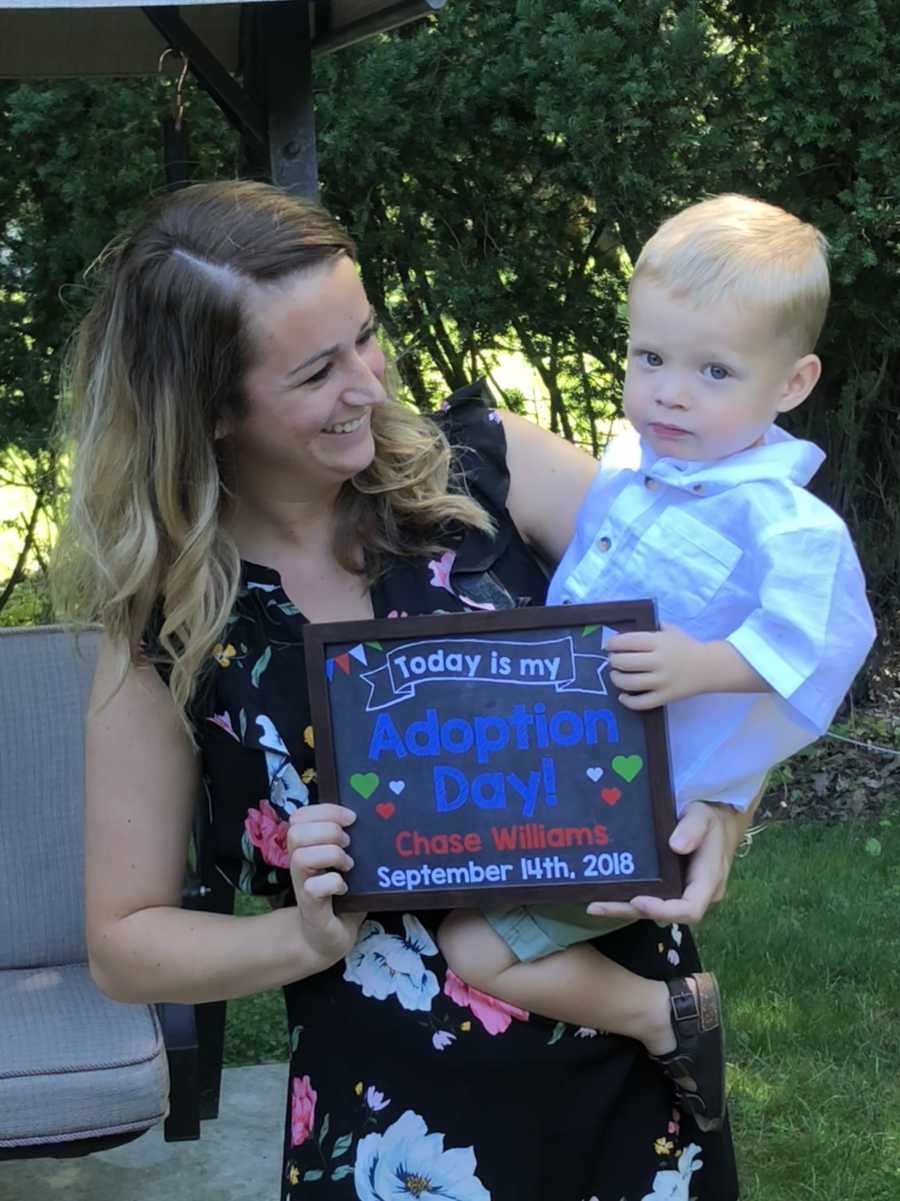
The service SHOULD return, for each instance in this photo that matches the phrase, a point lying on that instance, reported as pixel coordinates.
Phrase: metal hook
(178, 100)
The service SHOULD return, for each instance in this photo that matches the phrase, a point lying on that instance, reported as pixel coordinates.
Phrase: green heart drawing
(627, 766)
(364, 783)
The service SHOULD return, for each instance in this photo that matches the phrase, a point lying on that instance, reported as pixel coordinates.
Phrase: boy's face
(703, 383)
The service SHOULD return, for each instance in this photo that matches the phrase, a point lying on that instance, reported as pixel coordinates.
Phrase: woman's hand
(316, 844)
(710, 835)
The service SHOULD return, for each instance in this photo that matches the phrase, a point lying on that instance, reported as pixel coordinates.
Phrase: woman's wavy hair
(158, 362)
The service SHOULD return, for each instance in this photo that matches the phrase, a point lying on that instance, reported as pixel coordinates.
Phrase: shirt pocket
(683, 563)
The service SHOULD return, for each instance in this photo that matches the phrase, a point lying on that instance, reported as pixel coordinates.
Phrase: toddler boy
(702, 505)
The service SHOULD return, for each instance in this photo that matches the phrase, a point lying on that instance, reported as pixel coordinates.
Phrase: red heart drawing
(386, 810)
(610, 795)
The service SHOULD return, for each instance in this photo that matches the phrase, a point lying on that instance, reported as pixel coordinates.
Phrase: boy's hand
(656, 667)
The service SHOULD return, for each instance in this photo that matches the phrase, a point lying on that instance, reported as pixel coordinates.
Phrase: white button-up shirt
(734, 549)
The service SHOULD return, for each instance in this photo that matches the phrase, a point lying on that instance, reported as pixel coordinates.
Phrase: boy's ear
(803, 377)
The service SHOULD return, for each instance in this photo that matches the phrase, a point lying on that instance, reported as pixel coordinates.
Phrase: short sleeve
(813, 628)
(475, 432)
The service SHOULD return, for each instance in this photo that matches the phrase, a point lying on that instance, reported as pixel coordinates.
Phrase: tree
(80, 157)
(500, 168)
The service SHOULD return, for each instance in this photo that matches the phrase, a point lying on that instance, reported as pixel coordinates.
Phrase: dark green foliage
(79, 159)
(500, 168)
(509, 162)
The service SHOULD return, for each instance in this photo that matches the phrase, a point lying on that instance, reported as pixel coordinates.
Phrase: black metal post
(278, 76)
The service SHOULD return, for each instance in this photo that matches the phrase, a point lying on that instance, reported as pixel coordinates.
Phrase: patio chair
(78, 1072)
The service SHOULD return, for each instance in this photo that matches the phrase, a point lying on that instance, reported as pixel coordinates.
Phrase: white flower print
(386, 965)
(376, 1100)
(408, 1162)
(442, 1039)
(675, 1185)
(286, 789)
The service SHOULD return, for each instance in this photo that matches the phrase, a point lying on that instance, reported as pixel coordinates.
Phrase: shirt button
(603, 544)
(650, 482)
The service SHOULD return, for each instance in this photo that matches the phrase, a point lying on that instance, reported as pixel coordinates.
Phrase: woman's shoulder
(474, 428)
(513, 465)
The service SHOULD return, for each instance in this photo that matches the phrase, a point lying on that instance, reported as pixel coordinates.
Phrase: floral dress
(404, 1082)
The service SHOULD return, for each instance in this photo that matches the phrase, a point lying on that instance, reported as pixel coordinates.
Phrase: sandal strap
(684, 1003)
(701, 1009)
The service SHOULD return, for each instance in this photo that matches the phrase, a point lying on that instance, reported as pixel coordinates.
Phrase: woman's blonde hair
(734, 247)
(158, 362)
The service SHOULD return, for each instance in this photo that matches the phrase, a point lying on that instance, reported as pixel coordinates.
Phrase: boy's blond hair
(737, 248)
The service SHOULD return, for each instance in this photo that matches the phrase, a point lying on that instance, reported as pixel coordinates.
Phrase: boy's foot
(697, 1065)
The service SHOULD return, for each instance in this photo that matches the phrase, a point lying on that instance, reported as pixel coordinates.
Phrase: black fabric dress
(404, 1084)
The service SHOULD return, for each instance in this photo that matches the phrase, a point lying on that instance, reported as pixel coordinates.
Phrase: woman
(240, 470)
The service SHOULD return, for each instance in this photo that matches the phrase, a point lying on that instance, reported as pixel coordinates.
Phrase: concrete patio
(237, 1158)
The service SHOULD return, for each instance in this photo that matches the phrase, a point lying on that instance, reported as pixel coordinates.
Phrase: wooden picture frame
(459, 748)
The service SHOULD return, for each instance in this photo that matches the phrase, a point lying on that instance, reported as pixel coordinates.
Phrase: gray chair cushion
(74, 1064)
(43, 698)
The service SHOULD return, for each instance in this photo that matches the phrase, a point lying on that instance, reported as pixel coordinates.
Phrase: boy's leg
(578, 985)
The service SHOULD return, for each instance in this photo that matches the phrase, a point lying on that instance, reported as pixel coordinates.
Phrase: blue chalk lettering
(445, 780)
(385, 738)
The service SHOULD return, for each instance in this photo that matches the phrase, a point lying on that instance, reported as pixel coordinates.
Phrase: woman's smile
(347, 427)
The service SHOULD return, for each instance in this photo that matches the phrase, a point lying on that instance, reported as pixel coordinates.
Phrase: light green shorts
(534, 932)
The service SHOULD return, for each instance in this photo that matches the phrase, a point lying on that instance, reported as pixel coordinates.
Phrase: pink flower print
(223, 721)
(268, 832)
(475, 604)
(674, 1125)
(440, 578)
(495, 1015)
(376, 1100)
(440, 571)
(442, 1040)
(303, 1110)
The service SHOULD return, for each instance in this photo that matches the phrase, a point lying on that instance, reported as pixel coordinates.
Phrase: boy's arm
(657, 667)
(806, 640)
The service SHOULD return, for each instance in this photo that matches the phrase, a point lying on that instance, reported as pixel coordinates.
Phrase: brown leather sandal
(697, 1065)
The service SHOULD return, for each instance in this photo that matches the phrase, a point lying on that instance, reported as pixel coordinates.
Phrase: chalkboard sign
(488, 760)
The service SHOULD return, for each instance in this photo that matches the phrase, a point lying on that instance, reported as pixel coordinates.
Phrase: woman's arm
(142, 779)
(549, 478)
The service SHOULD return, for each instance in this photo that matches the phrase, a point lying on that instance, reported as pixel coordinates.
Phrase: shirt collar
(780, 457)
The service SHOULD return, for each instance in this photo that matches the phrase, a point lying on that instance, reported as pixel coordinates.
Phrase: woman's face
(316, 373)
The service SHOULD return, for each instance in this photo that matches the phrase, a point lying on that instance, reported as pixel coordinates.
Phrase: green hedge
(500, 167)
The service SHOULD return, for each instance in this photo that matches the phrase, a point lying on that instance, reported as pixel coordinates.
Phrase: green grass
(807, 950)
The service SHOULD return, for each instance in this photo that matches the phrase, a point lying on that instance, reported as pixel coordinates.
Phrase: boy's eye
(716, 371)
(367, 334)
(649, 358)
